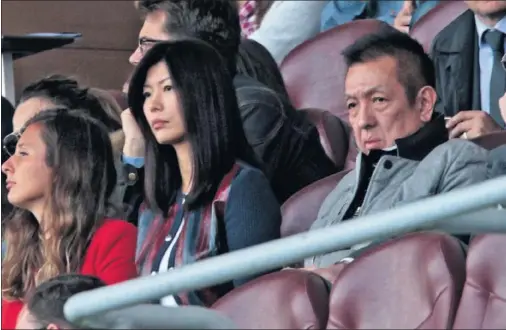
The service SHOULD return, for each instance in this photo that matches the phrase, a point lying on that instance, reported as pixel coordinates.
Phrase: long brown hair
(84, 178)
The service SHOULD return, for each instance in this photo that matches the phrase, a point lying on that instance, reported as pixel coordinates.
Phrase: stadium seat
(483, 303)
(301, 209)
(334, 135)
(314, 71)
(412, 282)
(289, 299)
(429, 25)
(492, 140)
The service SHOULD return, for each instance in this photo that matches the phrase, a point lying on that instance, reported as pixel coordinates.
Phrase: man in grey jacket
(405, 154)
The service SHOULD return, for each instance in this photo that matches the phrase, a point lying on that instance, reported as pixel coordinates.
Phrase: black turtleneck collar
(417, 145)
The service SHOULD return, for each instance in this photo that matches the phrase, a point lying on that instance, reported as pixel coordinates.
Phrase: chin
(169, 139)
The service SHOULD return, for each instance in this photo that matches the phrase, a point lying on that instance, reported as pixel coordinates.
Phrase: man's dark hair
(46, 303)
(213, 21)
(414, 67)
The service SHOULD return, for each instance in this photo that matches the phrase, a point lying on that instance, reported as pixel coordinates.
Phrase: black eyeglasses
(9, 143)
(146, 44)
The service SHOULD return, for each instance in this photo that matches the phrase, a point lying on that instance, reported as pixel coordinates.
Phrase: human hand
(403, 18)
(134, 140)
(471, 124)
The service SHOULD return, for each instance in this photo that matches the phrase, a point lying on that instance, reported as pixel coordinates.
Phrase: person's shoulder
(247, 172)
(456, 151)
(447, 34)
(114, 229)
(250, 90)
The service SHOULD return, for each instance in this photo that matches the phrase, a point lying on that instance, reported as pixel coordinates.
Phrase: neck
(185, 161)
(492, 19)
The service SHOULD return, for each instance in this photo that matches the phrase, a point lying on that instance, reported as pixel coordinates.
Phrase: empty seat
(492, 140)
(301, 209)
(483, 303)
(412, 282)
(334, 134)
(289, 299)
(429, 25)
(314, 71)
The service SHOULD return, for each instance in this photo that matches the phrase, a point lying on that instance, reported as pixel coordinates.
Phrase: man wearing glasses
(286, 142)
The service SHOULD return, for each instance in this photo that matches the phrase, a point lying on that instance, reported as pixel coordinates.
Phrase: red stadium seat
(301, 209)
(430, 24)
(289, 299)
(413, 282)
(334, 135)
(483, 303)
(314, 71)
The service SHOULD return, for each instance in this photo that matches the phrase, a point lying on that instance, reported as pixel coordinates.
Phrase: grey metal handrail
(148, 316)
(429, 213)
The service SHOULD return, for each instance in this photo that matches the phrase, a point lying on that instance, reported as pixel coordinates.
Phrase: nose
(365, 117)
(154, 102)
(136, 56)
(7, 166)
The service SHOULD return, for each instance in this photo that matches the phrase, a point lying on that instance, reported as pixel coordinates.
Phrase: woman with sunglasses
(60, 179)
(203, 195)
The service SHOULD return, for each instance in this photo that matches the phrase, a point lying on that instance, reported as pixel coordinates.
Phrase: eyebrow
(367, 92)
(158, 82)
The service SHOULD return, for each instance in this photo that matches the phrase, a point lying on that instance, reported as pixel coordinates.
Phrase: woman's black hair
(255, 61)
(65, 92)
(212, 120)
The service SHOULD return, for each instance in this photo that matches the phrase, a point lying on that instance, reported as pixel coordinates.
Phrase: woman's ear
(426, 101)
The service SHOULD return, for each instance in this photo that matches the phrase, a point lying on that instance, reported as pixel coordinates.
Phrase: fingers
(459, 117)
(461, 128)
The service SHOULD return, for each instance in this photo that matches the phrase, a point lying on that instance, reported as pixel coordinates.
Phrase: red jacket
(110, 257)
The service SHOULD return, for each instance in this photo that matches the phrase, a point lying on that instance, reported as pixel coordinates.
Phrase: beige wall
(99, 58)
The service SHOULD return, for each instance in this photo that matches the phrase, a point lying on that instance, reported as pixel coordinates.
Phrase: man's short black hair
(46, 303)
(213, 21)
(414, 67)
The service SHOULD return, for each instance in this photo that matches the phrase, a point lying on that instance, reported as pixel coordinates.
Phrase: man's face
(378, 108)
(487, 8)
(152, 30)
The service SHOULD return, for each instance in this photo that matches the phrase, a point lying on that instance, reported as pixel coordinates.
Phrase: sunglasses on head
(9, 143)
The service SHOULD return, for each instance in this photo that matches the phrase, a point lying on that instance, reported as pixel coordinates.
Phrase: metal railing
(466, 210)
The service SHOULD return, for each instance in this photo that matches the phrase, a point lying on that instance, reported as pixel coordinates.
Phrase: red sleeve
(10, 313)
(113, 252)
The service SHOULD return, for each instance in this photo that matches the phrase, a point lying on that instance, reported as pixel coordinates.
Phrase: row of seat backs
(301, 209)
(417, 281)
(314, 71)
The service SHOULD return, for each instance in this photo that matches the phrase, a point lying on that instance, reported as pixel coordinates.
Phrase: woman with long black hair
(60, 177)
(203, 195)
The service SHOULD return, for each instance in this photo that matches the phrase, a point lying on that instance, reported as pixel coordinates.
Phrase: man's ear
(425, 102)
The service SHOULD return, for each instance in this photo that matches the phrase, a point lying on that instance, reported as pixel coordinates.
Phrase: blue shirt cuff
(137, 162)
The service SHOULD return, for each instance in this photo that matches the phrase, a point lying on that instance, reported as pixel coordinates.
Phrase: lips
(158, 124)
(9, 184)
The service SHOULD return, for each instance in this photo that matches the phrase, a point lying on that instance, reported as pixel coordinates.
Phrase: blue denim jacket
(338, 12)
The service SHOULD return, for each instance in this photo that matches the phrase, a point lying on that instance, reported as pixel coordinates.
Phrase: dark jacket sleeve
(252, 214)
(130, 190)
